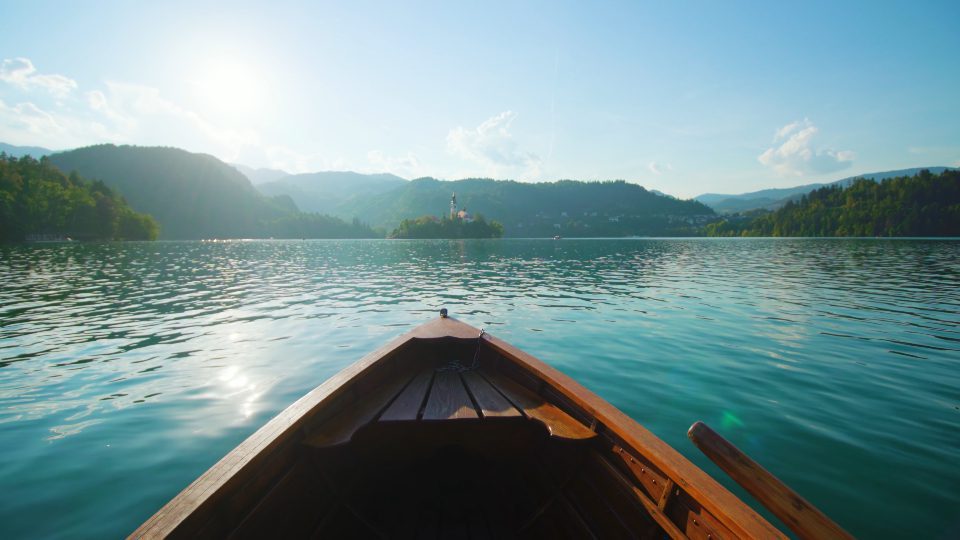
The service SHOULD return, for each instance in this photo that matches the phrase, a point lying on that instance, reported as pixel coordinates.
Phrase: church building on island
(462, 214)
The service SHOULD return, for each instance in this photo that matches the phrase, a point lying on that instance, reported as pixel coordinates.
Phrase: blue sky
(684, 97)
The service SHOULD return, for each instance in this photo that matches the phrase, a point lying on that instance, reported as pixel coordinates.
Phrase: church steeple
(453, 206)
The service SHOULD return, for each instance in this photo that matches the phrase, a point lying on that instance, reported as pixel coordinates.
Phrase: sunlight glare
(229, 86)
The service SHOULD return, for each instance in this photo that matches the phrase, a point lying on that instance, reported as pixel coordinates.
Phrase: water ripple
(136, 366)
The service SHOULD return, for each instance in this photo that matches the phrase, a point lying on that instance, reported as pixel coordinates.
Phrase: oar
(798, 514)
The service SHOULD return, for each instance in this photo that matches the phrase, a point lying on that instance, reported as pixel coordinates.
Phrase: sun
(230, 86)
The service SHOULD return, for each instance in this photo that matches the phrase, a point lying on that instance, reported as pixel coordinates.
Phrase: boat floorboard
(444, 395)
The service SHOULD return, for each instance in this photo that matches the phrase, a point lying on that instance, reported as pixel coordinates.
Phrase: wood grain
(546, 395)
(559, 423)
(192, 507)
(795, 511)
(742, 520)
(407, 405)
(449, 399)
(339, 429)
(491, 402)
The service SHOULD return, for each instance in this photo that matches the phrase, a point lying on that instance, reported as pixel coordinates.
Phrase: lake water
(126, 370)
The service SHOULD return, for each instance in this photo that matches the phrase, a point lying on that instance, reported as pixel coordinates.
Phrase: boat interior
(447, 438)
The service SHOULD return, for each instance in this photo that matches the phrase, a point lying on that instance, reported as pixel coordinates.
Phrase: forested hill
(566, 208)
(37, 199)
(191, 195)
(926, 204)
(198, 196)
(774, 198)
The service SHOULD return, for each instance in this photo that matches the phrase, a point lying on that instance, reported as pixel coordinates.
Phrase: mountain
(260, 176)
(20, 151)
(325, 192)
(566, 207)
(771, 199)
(190, 195)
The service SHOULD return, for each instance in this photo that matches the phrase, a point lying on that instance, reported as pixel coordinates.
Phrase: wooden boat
(448, 432)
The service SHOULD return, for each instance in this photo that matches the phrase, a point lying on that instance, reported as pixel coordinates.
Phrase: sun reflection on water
(238, 386)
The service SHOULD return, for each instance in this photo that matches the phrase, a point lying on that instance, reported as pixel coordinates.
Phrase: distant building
(462, 214)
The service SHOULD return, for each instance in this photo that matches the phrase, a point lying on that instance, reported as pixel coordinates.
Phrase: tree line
(922, 205)
(568, 208)
(37, 198)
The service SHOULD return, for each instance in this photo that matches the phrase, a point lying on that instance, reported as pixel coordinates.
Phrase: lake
(126, 370)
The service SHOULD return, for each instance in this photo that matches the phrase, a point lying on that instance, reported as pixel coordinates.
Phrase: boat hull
(449, 432)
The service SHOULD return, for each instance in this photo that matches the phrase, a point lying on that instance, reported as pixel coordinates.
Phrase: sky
(681, 97)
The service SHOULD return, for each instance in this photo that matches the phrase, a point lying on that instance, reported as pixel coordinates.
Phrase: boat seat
(446, 396)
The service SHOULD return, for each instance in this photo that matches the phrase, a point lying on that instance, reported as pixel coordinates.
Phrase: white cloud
(492, 145)
(29, 117)
(407, 166)
(21, 73)
(659, 168)
(790, 128)
(128, 113)
(796, 155)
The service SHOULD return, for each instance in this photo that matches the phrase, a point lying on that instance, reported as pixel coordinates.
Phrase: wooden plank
(796, 512)
(574, 524)
(559, 521)
(668, 526)
(291, 509)
(237, 505)
(491, 402)
(558, 517)
(667, 494)
(601, 517)
(648, 477)
(693, 520)
(619, 498)
(559, 423)
(186, 512)
(192, 506)
(339, 429)
(444, 328)
(407, 405)
(717, 500)
(449, 399)
(195, 505)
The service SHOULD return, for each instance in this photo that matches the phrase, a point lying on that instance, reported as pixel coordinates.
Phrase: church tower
(453, 206)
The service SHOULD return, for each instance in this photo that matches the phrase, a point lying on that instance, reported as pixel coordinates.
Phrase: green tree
(922, 205)
(36, 198)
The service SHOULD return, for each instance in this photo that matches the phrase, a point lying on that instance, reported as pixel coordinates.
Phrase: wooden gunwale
(200, 495)
(716, 499)
(198, 500)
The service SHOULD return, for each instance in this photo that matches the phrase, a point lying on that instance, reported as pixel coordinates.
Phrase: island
(458, 224)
